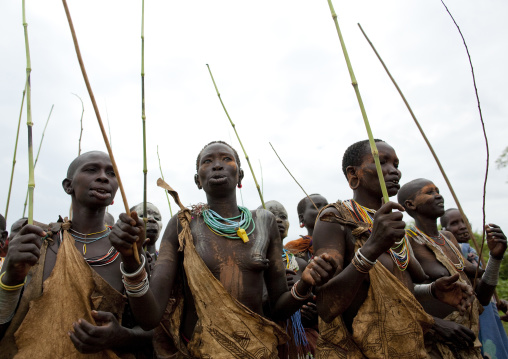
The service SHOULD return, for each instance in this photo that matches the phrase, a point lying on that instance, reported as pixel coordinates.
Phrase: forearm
(487, 285)
(289, 303)
(135, 338)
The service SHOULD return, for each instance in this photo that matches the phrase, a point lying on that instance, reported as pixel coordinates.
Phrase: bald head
(82, 159)
(408, 191)
(281, 216)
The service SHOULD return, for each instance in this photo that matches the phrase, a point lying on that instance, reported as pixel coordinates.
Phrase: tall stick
(287, 169)
(81, 124)
(96, 109)
(373, 146)
(262, 179)
(455, 198)
(31, 180)
(14, 156)
(480, 253)
(162, 175)
(143, 117)
(238, 137)
(38, 152)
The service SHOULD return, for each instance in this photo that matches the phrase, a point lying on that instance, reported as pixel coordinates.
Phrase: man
(153, 225)
(81, 306)
(215, 261)
(307, 214)
(439, 254)
(367, 309)
(492, 334)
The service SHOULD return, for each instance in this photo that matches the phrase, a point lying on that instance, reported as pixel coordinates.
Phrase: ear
(409, 204)
(240, 176)
(196, 180)
(351, 173)
(67, 186)
(300, 218)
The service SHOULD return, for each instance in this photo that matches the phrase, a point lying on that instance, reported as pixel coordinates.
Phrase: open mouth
(392, 183)
(100, 193)
(218, 180)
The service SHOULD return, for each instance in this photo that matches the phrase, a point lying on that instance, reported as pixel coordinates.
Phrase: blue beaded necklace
(229, 227)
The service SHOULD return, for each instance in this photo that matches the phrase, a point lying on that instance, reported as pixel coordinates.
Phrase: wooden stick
(162, 175)
(14, 156)
(38, 152)
(31, 180)
(238, 137)
(373, 146)
(143, 117)
(262, 179)
(287, 169)
(96, 109)
(81, 122)
(454, 195)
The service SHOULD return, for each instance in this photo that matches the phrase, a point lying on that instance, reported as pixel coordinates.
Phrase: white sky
(283, 79)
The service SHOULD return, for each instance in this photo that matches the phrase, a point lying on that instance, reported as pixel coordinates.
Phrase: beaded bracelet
(10, 288)
(136, 289)
(362, 265)
(298, 296)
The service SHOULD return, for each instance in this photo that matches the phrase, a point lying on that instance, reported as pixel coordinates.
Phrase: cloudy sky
(283, 79)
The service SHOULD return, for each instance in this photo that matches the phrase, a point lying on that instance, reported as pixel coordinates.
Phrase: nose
(279, 220)
(102, 177)
(217, 165)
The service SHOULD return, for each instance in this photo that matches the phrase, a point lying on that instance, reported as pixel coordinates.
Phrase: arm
(336, 296)
(149, 308)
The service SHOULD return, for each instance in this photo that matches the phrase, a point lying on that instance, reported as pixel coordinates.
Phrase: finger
(315, 276)
(31, 229)
(395, 216)
(389, 206)
(126, 219)
(128, 228)
(492, 225)
(103, 317)
(504, 318)
(81, 335)
(88, 328)
(446, 281)
(329, 259)
(289, 271)
(320, 270)
(318, 261)
(78, 344)
(137, 219)
(27, 257)
(468, 335)
(30, 238)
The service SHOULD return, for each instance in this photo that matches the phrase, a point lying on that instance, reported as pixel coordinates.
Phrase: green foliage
(502, 160)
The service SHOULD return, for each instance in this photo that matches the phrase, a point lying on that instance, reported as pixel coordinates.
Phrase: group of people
(359, 284)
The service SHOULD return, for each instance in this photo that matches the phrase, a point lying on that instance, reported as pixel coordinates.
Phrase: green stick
(14, 156)
(162, 175)
(29, 123)
(143, 117)
(287, 169)
(373, 146)
(238, 137)
(262, 179)
(81, 122)
(464, 218)
(99, 120)
(38, 152)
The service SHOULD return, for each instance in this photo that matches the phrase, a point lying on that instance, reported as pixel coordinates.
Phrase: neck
(310, 231)
(87, 220)
(427, 226)
(367, 200)
(226, 207)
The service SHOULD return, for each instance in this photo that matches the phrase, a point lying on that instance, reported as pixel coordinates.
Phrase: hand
(127, 232)
(108, 334)
(452, 292)
(309, 313)
(290, 277)
(319, 270)
(496, 240)
(502, 305)
(388, 227)
(22, 254)
(454, 334)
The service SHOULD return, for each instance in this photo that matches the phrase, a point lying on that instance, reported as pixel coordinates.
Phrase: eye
(228, 158)
(89, 169)
(157, 218)
(283, 217)
(207, 160)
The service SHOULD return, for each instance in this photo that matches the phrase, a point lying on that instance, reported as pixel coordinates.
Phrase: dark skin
(426, 206)
(309, 214)
(153, 224)
(230, 261)
(347, 290)
(92, 188)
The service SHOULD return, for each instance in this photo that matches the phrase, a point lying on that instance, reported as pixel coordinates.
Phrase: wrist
(370, 253)
(11, 279)
(498, 258)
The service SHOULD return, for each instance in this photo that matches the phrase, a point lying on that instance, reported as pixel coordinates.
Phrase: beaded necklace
(363, 214)
(229, 227)
(85, 240)
(421, 237)
(106, 259)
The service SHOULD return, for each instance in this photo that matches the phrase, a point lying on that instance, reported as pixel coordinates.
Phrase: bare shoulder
(451, 237)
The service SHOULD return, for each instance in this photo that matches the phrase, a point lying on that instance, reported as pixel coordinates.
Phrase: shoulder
(263, 214)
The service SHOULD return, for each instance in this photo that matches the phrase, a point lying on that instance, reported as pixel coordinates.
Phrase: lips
(100, 193)
(392, 182)
(218, 180)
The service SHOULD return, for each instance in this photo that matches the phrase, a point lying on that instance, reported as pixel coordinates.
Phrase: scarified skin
(258, 251)
(232, 278)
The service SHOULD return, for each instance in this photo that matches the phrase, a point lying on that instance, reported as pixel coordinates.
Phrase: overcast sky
(283, 79)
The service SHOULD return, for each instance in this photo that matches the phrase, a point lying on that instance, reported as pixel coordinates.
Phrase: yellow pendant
(242, 234)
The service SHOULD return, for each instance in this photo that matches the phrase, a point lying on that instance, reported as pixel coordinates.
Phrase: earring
(240, 185)
(112, 202)
(353, 187)
(302, 225)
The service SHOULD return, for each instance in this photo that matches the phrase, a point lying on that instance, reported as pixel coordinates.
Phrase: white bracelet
(491, 274)
(423, 291)
(8, 303)
(131, 275)
(362, 257)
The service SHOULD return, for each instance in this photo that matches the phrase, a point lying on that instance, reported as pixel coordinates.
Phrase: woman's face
(218, 171)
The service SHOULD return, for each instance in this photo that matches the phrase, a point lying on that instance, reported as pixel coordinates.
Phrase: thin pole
(31, 180)
(143, 117)
(373, 146)
(454, 195)
(299, 185)
(14, 156)
(238, 137)
(38, 152)
(262, 179)
(81, 123)
(96, 109)
(162, 175)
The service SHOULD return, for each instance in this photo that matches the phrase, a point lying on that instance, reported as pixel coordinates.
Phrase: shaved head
(80, 160)
(410, 189)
